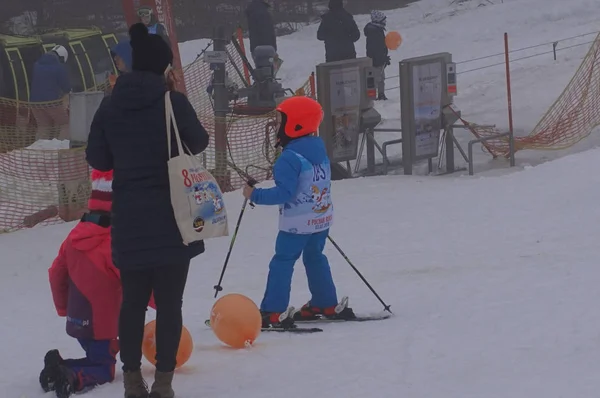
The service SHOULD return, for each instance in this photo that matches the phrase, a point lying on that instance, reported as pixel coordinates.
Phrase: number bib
(311, 210)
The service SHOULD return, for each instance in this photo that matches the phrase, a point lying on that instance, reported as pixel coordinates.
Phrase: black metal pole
(339, 249)
(218, 288)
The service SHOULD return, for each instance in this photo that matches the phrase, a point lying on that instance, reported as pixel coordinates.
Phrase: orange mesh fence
(44, 182)
(250, 144)
(570, 119)
(41, 180)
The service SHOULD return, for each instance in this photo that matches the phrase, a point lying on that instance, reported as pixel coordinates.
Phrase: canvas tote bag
(196, 197)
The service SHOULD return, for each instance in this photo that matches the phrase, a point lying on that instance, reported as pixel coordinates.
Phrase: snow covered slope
(494, 283)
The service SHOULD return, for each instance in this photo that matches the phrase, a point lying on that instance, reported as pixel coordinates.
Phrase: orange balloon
(236, 320)
(186, 345)
(393, 40)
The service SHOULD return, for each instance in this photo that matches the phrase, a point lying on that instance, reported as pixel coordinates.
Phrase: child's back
(311, 209)
(85, 284)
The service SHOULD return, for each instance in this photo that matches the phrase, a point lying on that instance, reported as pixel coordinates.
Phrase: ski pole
(218, 288)
(385, 306)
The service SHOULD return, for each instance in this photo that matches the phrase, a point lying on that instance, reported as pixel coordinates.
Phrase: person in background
(377, 49)
(86, 289)
(339, 32)
(51, 83)
(128, 135)
(147, 17)
(121, 54)
(260, 25)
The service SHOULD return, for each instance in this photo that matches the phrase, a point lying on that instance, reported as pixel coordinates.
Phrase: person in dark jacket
(339, 32)
(122, 56)
(377, 49)
(128, 135)
(51, 83)
(147, 17)
(260, 25)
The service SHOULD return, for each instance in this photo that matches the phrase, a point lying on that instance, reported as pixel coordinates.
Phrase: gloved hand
(388, 62)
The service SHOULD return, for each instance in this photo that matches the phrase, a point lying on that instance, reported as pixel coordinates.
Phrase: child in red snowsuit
(86, 289)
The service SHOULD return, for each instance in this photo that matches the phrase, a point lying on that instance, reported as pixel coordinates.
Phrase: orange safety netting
(572, 117)
(250, 147)
(43, 181)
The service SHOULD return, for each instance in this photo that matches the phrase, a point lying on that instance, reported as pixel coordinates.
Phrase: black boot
(66, 382)
(48, 375)
(382, 97)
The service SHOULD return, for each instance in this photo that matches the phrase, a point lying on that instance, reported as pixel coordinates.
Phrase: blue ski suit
(98, 366)
(302, 190)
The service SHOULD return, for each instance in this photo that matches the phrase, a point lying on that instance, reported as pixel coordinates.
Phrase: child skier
(86, 289)
(377, 49)
(302, 190)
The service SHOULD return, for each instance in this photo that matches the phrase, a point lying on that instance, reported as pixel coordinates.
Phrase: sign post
(423, 95)
(347, 106)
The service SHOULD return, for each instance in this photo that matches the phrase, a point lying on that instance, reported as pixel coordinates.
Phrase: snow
(491, 300)
(49, 145)
(493, 279)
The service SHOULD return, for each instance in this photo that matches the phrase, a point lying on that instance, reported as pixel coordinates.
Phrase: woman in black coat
(339, 32)
(128, 135)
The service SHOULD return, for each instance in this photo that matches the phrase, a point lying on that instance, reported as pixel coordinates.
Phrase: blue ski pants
(288, 249)
(98, 366)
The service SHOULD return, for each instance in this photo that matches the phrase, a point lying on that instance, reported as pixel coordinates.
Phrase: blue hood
(311, 147)
(49, 58)
(123, 50)
(50, 80)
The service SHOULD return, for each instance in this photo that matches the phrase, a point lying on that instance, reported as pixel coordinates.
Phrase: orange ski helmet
(300, 116)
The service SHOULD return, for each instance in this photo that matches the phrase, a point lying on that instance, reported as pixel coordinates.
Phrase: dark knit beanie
(150, 53)
(336, 4)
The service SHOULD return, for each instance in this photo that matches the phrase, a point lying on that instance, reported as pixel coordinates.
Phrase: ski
(339, 309)
(359, 318)
(294, 329)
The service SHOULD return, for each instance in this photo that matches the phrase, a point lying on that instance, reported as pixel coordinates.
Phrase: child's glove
(249, 188)
(247, 191)
(388, 62)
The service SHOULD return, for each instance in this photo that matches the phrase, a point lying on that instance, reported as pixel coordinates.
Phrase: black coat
(260, 25)
(339, 32)
(128, 135)
(376, 48)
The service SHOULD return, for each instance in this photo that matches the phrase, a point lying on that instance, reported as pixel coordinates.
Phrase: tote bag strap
(170, 118)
